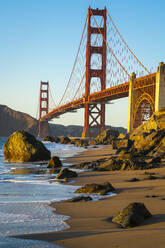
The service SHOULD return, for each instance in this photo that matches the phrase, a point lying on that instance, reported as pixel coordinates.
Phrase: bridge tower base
(94, 113)
(43, 129)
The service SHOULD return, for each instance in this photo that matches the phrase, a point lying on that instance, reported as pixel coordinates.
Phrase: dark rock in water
(54, 162)
(133, 215)
(65, 140)
(100, 189)
(24, 147)
(80, 142)
(48, 138)
(56, 139)
(80, 198)
(66, 173)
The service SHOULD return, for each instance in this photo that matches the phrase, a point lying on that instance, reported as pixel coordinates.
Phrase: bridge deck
(103, 96)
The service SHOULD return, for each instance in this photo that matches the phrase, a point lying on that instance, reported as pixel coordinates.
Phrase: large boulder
(100, 189)
(66, 173)
(133, 215)
(24, 147)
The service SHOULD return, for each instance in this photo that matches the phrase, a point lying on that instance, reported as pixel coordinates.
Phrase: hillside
(11, 120)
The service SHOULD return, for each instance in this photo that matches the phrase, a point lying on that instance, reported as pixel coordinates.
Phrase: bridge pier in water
(94, 117)
(146, 95)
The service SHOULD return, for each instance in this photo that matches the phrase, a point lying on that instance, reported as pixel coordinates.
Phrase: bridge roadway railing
(106, 95)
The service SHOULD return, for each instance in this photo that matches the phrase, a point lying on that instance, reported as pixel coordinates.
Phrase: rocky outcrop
(65, 140)
(133, 215)
(144, 148)
(24, 147)
(105, 137)
(66, 173)
(80, 142)
(54, 162)
(100, 189)
(51, 139)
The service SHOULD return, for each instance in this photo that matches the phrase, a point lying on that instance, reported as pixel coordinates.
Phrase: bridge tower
(95, 112)
(43, 109)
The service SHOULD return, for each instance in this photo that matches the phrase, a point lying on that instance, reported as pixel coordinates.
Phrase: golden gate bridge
(105, 69)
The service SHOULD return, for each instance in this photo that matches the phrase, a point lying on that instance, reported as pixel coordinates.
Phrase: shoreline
(90, 222)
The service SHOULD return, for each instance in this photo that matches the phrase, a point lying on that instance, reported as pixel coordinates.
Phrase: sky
(39, 40)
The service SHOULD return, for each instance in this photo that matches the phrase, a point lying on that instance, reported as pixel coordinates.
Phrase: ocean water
(26, 189)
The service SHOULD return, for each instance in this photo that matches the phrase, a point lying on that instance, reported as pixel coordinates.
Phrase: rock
(54, 162)
(156, 160)
(104, 137)
(134, 165)
(24, 147)
(80, 142)
(122, 143)
(134, 179)
(48, 138)
(92, 142)
(65, 140)
(57, 140)
(133, 215)
(100, 189)
(80, 198)
(110, 164)
(66, 173)
(151, 177)
(121, 136)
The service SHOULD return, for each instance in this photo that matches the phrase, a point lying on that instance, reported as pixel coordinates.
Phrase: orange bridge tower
(95, 112)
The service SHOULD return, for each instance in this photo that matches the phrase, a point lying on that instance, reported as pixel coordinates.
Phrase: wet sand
(90, 222)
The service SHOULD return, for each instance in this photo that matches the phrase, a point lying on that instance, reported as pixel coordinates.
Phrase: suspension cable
(84, 72)
(52, 97)
(126, 43)
(74, 62)
(110, 50)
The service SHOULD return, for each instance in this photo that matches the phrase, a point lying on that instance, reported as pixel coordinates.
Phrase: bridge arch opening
(98, 19)
(143, 110)
(96, 61)
(96, 40)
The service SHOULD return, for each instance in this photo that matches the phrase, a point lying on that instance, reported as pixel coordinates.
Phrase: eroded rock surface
(100, 189)
(133, 215)
(24, 147)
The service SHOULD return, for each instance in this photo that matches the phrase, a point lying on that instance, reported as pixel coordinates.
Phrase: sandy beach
(90, 222)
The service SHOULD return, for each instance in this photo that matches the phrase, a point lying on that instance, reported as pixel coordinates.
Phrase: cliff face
(11, 121)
